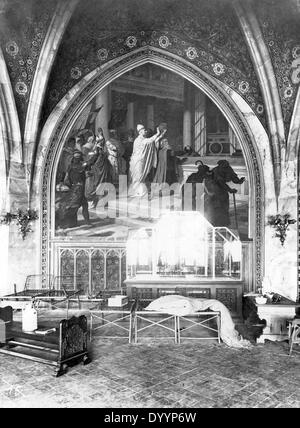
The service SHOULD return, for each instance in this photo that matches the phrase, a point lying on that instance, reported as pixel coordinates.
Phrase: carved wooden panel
(113, 270)
(91, 269)
(97, 271)
(82, 271)
(67, 263)
(142, 293)
(74, 336)
(228, 296)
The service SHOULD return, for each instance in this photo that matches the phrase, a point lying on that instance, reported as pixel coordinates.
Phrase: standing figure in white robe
(144, 157)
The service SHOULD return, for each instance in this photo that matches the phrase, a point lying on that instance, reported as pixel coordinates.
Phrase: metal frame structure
(212, 315)
(103, 314)
(163, 317)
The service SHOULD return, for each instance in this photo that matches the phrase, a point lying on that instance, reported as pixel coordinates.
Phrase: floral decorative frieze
(112, 48)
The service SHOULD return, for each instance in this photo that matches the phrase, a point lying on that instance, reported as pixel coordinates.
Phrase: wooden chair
(294, 333)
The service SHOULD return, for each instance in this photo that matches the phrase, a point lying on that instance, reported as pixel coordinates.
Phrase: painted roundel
(102, 54)
(12, 48)
(215, 148)
(296, 51)
(21, 88)
(191, 53)
(163, 42)
(131, 41)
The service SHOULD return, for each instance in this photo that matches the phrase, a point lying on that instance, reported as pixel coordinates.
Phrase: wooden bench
(65, 343)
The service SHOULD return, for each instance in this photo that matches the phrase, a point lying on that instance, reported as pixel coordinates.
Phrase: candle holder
(22, 219)
(280, 222)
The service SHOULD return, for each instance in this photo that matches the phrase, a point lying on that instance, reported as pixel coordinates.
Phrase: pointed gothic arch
(247, 127)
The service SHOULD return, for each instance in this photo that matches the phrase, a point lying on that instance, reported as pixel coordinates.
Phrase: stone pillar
(22, 257)
(3, 183)
(200, 122)
(130, 115)
(4, 229)
(103, 117)
(187, 114)
(4, 260)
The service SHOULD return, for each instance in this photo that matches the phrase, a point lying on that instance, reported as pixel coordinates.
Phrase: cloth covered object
(181, 306)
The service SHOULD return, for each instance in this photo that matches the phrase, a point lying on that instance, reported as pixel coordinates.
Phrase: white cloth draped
(181, 306)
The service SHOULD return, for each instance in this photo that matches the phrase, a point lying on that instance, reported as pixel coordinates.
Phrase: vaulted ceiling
(48, 46)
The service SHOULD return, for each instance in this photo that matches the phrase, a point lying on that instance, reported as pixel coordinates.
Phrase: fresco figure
(216, 193)
(75, 180)
(98, 169)
(166, 165)
(143, 159)
(198, 177)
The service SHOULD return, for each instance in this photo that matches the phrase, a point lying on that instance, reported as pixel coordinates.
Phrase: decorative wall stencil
(23, 26)
(204, 33)
(280, 26)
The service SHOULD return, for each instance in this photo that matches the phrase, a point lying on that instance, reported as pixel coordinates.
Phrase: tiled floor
(159, 374)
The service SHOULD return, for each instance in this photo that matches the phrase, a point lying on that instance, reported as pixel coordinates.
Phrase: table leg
(91, 327)
(130, 328)
(178, 330)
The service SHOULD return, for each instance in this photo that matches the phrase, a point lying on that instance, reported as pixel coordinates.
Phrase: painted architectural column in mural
(187, 115)
(200, 122)
(150, 115)
(130, 115)
(234, 142)
(102, 119)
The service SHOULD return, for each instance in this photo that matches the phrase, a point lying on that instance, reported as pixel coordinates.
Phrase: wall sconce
(281, 223)
(22, 219)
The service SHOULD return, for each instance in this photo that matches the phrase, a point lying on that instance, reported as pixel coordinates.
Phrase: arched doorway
(67, 111)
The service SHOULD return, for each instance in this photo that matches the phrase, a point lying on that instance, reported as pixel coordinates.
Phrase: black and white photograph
(149, 206)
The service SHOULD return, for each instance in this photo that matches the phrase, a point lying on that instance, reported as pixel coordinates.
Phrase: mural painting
(150, 142)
